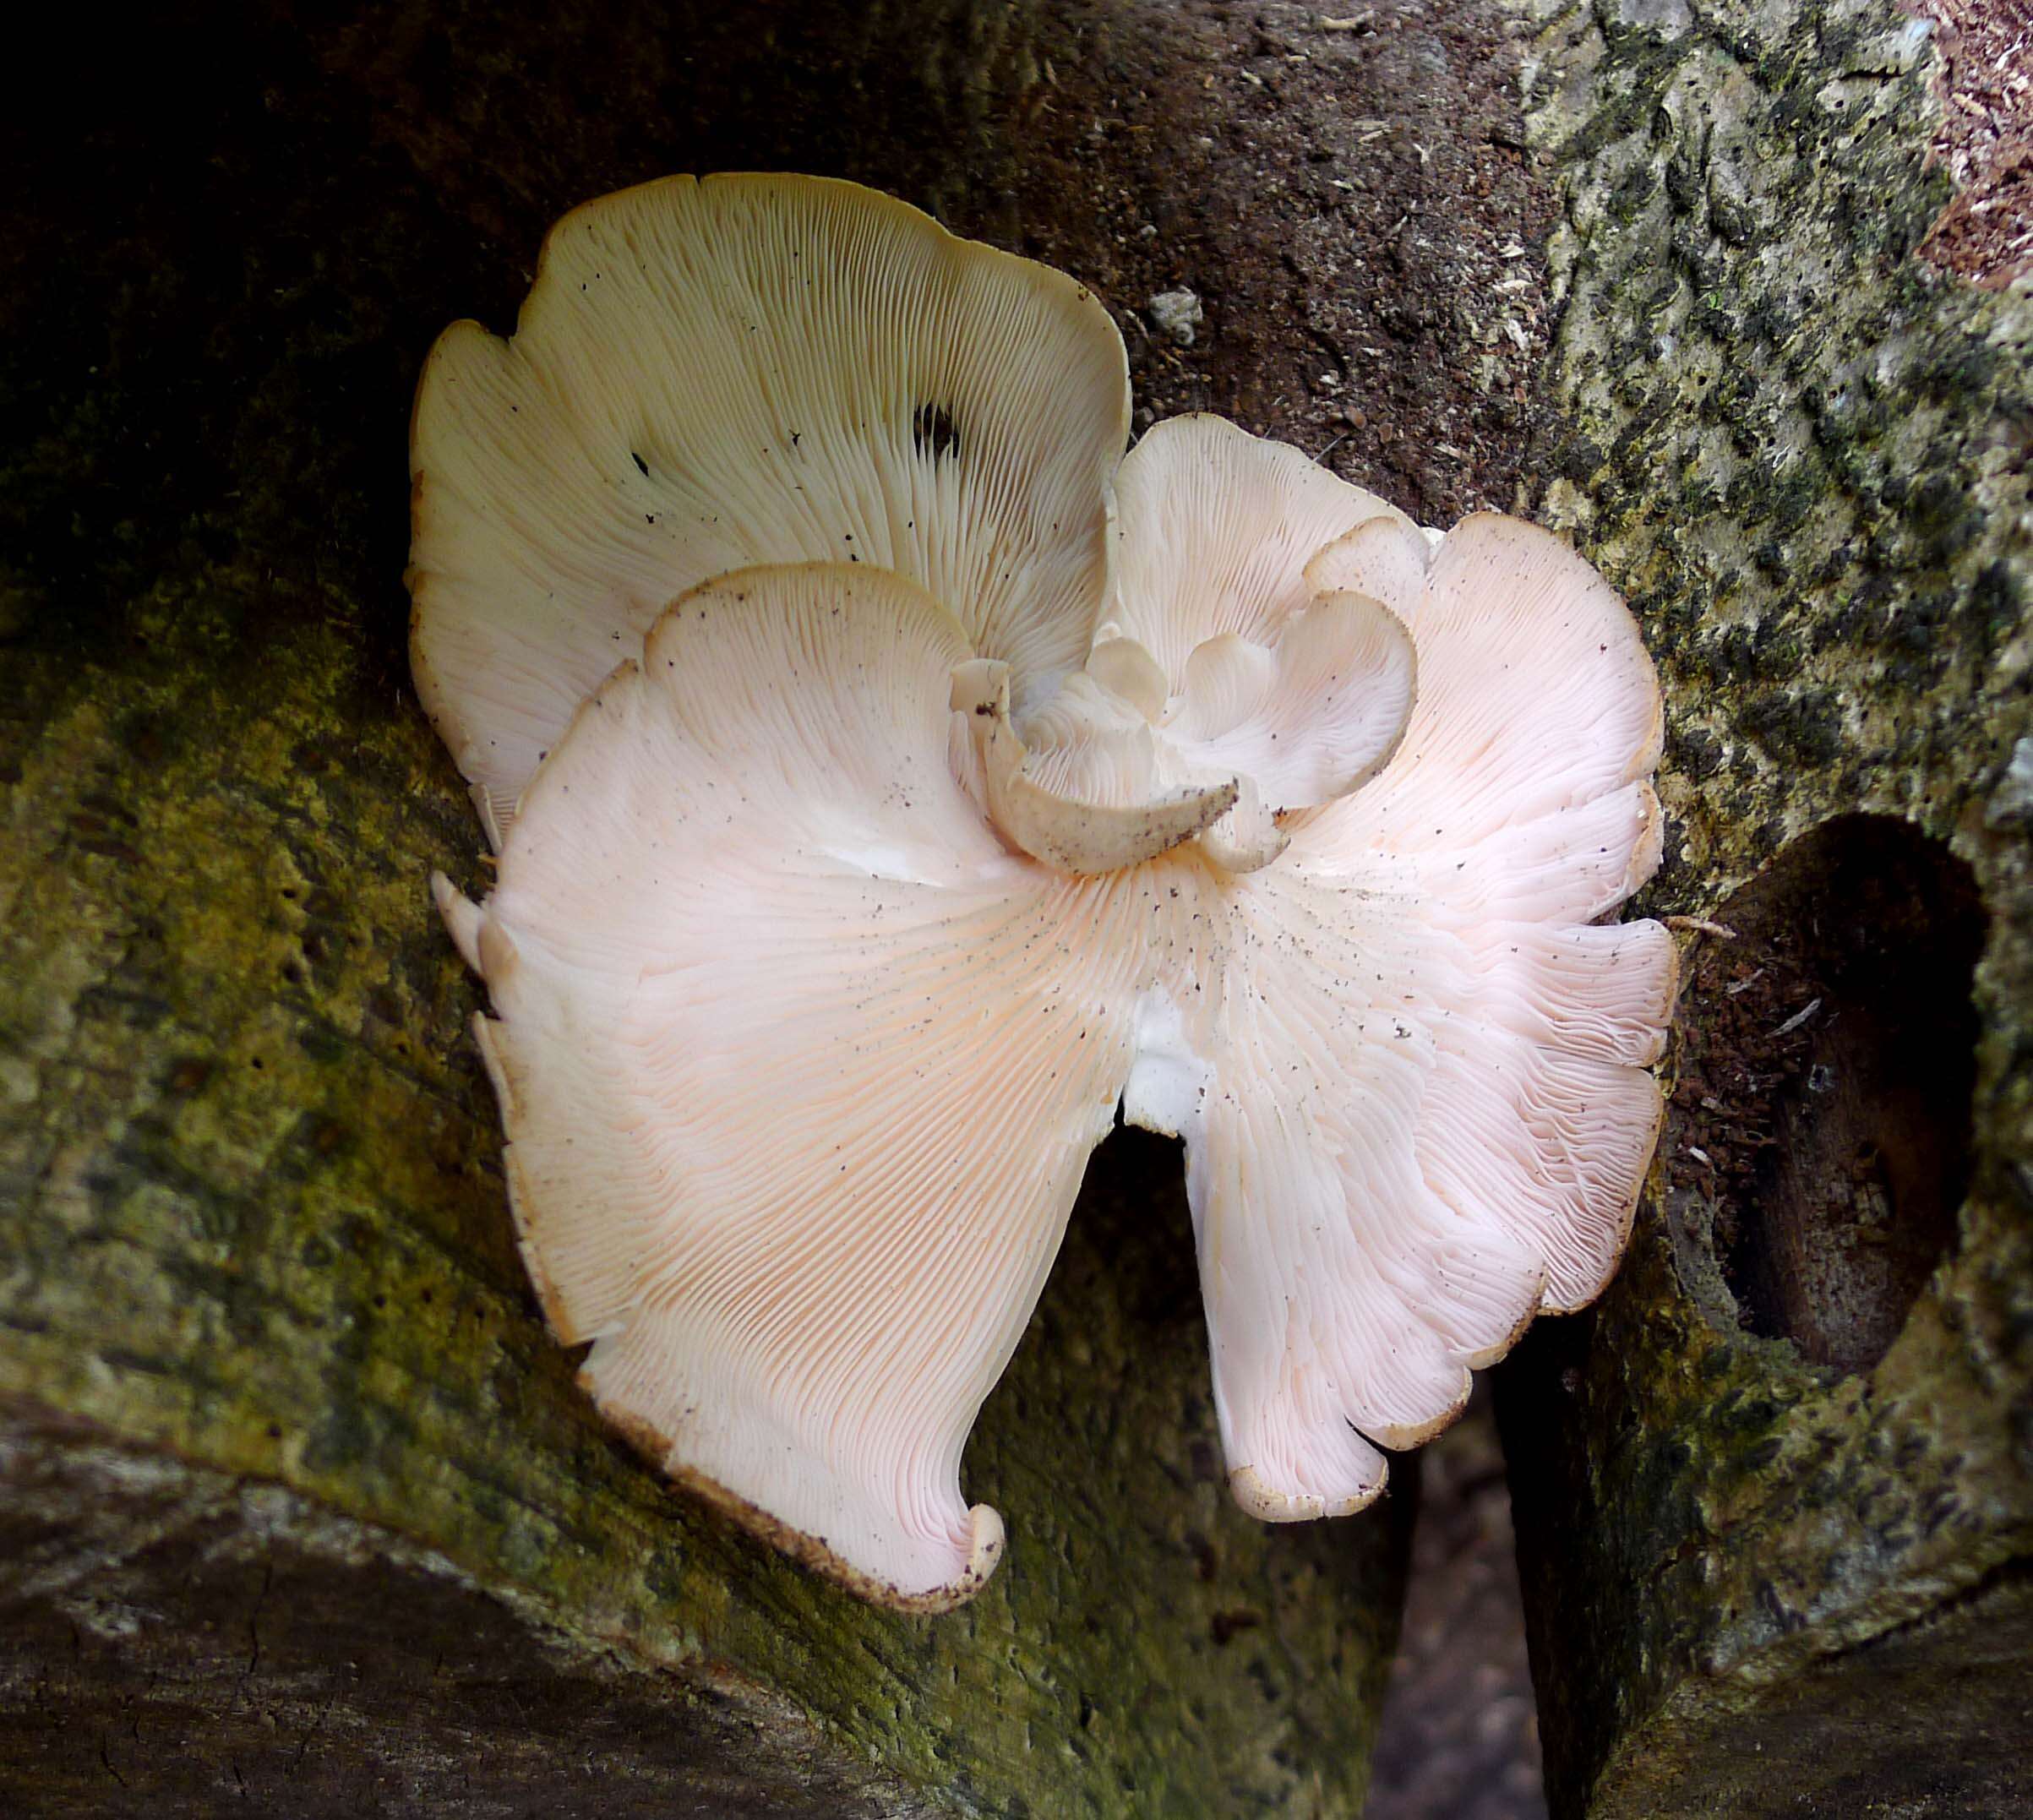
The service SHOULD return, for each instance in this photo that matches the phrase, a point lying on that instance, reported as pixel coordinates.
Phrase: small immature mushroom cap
(1258, 674)
(1408, 1063)
(1309, 718)
(713, 373)
(1214, 529)
(799, 1067)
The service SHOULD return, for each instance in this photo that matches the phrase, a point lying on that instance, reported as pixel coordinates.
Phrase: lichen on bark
(1802, 452)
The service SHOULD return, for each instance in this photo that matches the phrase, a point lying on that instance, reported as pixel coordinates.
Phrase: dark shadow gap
(1822, 1104)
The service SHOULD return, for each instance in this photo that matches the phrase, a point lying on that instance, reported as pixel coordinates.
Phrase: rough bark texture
(181, 1641)
(1775, 1492)
(295, 1499)
(261, 1318)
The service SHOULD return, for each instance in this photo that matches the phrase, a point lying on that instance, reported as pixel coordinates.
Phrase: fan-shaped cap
(714, 373)
(798, 1066)
(1408, 1065)
(830, 928)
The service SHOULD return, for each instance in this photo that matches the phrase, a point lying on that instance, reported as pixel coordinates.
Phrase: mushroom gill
(881, 800)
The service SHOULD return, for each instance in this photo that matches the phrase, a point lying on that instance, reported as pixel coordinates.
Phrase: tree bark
(299, 1501)
(1775, 1491)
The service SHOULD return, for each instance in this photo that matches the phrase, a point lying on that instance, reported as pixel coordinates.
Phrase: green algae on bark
(1754, 1579)
(254, 1216)
(219, 1641)
(251, 1214)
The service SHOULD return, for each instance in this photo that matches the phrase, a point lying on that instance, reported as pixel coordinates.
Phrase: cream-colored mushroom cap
(1244, 668)
(712, 373)
(863, 841)
(799, 1067)
(1408, 1060)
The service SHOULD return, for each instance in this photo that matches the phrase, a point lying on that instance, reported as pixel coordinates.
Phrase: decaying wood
(1775, 1494)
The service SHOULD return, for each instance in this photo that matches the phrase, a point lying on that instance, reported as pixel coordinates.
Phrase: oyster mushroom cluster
(889, 778)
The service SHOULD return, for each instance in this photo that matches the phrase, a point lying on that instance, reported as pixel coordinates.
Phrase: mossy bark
(1775, 1491)
(263, 1335)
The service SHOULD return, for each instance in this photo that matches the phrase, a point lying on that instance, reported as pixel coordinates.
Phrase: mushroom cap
(1407, 1063)
(1309, 718)
(828, 931)
(1214, 529)
(1246, 667)
(713, 373)
(799, 1067)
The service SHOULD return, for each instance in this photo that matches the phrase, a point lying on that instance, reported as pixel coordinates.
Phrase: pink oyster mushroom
(841, 902)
